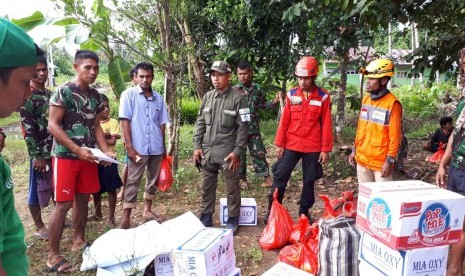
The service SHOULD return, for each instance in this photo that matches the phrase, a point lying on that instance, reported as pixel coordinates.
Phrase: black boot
(206, 220)
(233, 224)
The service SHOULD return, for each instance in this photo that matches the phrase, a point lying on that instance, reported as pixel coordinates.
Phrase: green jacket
(221, 126)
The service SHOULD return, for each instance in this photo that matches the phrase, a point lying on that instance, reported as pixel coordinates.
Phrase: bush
(417, 101)
(189, 111)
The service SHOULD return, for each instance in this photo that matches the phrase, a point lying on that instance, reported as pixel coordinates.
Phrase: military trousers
(257, 152)
(210, 173)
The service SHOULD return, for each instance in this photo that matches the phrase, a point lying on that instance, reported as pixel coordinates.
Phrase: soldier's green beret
(16, 47)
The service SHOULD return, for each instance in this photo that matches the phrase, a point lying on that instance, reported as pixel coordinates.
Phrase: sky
(15, 9)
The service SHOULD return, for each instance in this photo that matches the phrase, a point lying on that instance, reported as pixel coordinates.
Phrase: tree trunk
(341, 100)
(195, 62)
(170, 95)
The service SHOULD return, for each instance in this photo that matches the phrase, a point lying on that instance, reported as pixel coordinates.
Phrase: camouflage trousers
(257, 152)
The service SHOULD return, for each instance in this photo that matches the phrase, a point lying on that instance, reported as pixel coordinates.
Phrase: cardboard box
(366, 269)
(163, 265)
(281, 269)
(209, 252)
(407, 214)
(248, 215)
(430, 261)
(235, 272)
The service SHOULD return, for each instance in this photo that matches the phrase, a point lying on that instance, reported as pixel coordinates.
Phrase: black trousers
(282, 170)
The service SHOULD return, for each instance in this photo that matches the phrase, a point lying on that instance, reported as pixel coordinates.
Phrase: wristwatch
(391, 160)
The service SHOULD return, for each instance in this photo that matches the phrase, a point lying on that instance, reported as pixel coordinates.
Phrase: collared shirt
(222, 124)
(305, 124)
(34, 120)
(146, 116)
(81, 108)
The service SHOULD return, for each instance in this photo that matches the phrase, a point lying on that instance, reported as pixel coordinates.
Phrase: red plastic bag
(165, 179)
(300, 255)
(345, 205)
(279, 227)
(311, 232)
(437, 156)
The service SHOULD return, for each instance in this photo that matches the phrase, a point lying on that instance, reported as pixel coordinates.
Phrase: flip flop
(83, 247)
(156, 217)
(244, 185)
(62, 266)
(41, 235)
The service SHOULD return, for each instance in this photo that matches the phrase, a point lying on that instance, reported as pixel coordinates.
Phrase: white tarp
(120, 248)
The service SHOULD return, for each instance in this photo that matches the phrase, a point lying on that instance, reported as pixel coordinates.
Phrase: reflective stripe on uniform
(376, 115)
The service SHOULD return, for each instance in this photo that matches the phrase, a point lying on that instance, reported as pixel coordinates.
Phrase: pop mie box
(410, 214)
(430, 261)
(248, 211)
(209, 252)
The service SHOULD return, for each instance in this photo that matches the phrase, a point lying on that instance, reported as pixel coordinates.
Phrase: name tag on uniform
(230, 112)
(314, 102)
(245, 114)
(379, 115)
(364, 114)
(296, 100)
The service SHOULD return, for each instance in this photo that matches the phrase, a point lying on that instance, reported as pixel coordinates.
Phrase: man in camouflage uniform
(255, 100)
(34, 119)
(455, 155)
(219, 141)
(74, 121)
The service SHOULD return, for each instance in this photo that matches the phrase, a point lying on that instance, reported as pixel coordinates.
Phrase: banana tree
(88, 34)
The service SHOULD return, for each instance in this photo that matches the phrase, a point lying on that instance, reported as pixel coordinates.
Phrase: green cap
(16, 47)
(221, 67)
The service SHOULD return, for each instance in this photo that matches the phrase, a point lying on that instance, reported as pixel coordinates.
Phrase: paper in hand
(102, 156)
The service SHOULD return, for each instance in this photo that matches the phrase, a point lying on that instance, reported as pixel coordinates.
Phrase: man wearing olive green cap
(220, 139)
(18, 60)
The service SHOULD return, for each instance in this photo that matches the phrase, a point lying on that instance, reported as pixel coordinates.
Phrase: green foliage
(13, 118)
(30, 22)
(422, 132)
(118, 73)
(185, 146)
(63, 61)
(189, 111)
(417, 101)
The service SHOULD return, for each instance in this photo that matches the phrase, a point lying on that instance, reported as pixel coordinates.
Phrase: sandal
(153, 216)
(244, 184)
(82, 248)
(41, 235)
(62, 266)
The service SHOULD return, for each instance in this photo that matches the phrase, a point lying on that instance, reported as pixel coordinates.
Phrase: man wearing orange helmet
(304, 132)
(379, 126)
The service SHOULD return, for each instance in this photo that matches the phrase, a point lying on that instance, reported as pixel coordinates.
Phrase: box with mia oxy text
(209, 252)
(382, 260)
(248, 214)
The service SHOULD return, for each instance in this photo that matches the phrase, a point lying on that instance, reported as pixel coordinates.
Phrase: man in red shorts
(74, 122)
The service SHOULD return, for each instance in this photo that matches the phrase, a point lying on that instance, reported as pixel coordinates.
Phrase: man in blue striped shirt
(143, 115)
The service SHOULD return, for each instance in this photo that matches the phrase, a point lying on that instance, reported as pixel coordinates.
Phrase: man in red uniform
(304, 132)
(379, 126)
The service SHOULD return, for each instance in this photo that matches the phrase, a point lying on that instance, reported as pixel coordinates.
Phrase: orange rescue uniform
(305, 124)
(379, 131)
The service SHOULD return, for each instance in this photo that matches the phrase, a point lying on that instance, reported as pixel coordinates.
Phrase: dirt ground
(250, 258)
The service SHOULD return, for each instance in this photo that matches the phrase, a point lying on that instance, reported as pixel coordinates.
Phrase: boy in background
(109, 178)
(440, 136)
